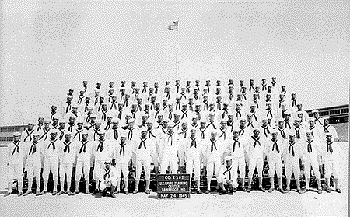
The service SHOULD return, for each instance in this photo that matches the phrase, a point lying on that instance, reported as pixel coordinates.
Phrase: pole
(177, 48)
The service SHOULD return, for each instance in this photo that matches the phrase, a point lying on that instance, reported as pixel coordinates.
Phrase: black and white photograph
(174, 108)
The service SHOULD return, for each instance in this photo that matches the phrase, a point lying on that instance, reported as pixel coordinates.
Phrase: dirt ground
(238, 204)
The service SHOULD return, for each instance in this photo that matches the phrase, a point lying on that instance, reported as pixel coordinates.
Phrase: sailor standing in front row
(33, 163)
(67, 156)
(50, 151)
(15, 163)
(84, 152)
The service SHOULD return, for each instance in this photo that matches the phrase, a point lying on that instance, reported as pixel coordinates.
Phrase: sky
(50, 46)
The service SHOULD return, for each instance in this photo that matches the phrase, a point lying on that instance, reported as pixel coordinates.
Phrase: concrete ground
(238, 204)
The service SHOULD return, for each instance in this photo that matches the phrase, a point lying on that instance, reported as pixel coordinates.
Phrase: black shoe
(135, 192)
(59, 193)
(300, 191)
(271, 190)
(20, 193)
(281, 190)
(147, 191)
(319, 191)
(40, 193)
(222, 192)
(112, 195)
(54, 192)
(328, 190)
(338, 190)
(70, 193)
(261, 189)
(207, 191)
(234, 190)
(126, 192)
(244, 189)
(28, 192)
(199, 191)
(248, 190)
(7, 194)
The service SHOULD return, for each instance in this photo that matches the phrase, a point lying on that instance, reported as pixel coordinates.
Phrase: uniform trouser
(122, 168)
(181, 158)
(83, 167)
(204, 160)
(193, 163)
(98, 170)
(275, 166)
(51, 164)
(213, 164)
(222, 179)
(311, 161)
(331, 167)
(146, 163)
(255, 163)
(66, 169)
(15, 171)
(292, 166)
(33, 170)
(169, 159)
(238, 163)
(104, 184)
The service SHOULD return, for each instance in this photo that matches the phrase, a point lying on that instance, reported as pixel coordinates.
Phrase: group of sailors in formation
(186, 127)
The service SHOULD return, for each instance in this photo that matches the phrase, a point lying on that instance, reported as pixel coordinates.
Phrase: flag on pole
(174, 25)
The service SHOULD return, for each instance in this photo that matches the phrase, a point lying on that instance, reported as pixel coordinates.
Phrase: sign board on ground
(173, 185)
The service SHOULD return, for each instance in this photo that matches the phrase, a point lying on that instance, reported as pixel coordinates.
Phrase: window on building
(9, 139)
(344, 111)
(335, 112)
(324, 113)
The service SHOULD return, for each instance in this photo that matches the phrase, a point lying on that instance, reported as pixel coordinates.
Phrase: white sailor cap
(36, 133)
(93, 116)
(32, 122)
(52, 131)
(102, 132)
(67, 132)
(55, 117)
(115, 120)
(273, 130)
(314, 111)
(280, 120)
(16, 134)
(98, 121)
(63, 120)
(311, 119)
(109, 113)
(80, 121)
(329, 134)
(85, 131)
(287, 112)
(228, 158)
(308, 131)
(47, 120)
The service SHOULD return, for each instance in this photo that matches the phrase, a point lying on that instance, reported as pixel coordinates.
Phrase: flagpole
(177, 48)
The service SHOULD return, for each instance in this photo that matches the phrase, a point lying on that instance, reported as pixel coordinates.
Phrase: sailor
(275, 148)
(292, 154)
(214, 154)
(84, 153)
(256, 160)
(16, 151)
(330, 153)
(226, 176)
(67, 156)
(33, 162)
(192, 153)
(108, 179)
(235, 150)
(143, 148)
(311, 152)
(51, 154)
